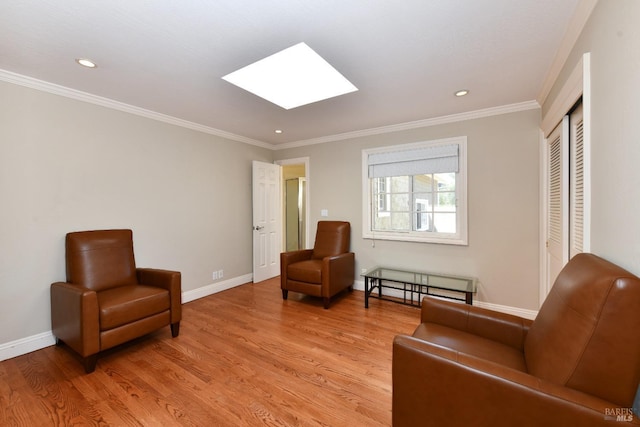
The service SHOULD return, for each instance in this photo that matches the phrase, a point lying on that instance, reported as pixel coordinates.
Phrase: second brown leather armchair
(323, 271)
(577, 364)
(106, 300)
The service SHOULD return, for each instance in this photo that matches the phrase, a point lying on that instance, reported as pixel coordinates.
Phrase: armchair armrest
(295, 256)
(434, 385)
(339, 272)
(166, 279)
(501, 327)
(75, 317)
(287, 258)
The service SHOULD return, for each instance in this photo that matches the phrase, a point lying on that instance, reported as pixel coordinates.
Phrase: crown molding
(477, 114)
(55, 89)
(574, 29)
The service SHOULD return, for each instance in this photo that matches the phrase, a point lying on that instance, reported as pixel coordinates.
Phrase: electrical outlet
(220, 274)
(215, 275)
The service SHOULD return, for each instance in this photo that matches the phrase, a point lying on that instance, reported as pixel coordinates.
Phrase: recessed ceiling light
(278, 131)
(462, 92)
(86, 63)
(291, 78)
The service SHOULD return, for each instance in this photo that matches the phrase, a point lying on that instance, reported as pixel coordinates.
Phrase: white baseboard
(213, 288)
(37, 342)
(516, 311)
(26, 345)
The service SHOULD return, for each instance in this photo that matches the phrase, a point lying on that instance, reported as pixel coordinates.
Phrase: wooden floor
(244, 357)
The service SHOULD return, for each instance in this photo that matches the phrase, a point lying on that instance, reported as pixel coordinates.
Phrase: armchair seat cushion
(309, 271)
(470, 344)
(126, 304)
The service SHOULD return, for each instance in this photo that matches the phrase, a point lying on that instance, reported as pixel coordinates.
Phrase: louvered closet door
(567, 191)
(557, 202)
(577, 183)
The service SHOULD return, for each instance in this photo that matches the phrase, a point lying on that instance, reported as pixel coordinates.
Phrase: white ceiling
(407, 57)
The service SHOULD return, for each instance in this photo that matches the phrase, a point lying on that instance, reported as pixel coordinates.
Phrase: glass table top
(436, 280)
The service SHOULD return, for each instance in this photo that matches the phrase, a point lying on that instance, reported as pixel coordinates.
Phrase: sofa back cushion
(332, 238)
(100, 259)
(586, 333)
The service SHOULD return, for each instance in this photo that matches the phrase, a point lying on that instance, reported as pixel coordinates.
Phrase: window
(382, 195)
(416, 192)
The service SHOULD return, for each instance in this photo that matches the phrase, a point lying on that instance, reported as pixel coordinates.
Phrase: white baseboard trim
(46, 339)
(214, 288)
(26, 345)
(516, 311)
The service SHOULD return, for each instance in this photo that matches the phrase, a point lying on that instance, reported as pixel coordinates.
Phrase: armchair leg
(89, 363)
(175, 329)
(326, 302)
(285, 293)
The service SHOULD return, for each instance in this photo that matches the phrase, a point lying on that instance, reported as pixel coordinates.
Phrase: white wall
(612, 35)
(503, 187)
(67, 165)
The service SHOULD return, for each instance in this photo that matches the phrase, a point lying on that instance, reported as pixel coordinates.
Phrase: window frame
(460, 237)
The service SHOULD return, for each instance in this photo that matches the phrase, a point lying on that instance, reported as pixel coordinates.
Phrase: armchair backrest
(332, 238)
(100, 259)
(586, 334)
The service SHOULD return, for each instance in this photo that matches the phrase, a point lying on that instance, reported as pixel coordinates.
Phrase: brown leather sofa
(323, 271)
(577, 364)
(106, 300)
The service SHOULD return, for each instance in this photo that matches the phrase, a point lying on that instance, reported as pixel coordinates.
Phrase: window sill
(407, 237)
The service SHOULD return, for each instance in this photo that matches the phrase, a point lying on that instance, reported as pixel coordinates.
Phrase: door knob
(258, 227)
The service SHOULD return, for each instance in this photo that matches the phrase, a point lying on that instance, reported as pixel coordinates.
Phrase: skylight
(291, 78)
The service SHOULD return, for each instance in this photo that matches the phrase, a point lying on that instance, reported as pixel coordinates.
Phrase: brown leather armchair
(577, 364)
(323, 271)
(106, 300)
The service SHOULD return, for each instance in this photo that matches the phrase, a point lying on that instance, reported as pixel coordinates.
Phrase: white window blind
(417, 161)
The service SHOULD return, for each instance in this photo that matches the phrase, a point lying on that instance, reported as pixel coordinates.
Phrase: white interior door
(557, 244)
(567, 198)
(267, 220)
(579, 185)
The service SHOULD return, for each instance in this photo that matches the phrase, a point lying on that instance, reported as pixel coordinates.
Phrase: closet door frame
(577, 86)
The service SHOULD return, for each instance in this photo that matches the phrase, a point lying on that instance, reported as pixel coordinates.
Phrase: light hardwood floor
(244, 357)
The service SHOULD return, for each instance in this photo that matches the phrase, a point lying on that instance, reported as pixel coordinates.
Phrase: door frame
(577, 85)
(307, 196)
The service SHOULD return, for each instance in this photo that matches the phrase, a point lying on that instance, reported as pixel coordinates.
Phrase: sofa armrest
(339, 272)
(166, 279)
(75, 317)
(501, 327)
(435, 385)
